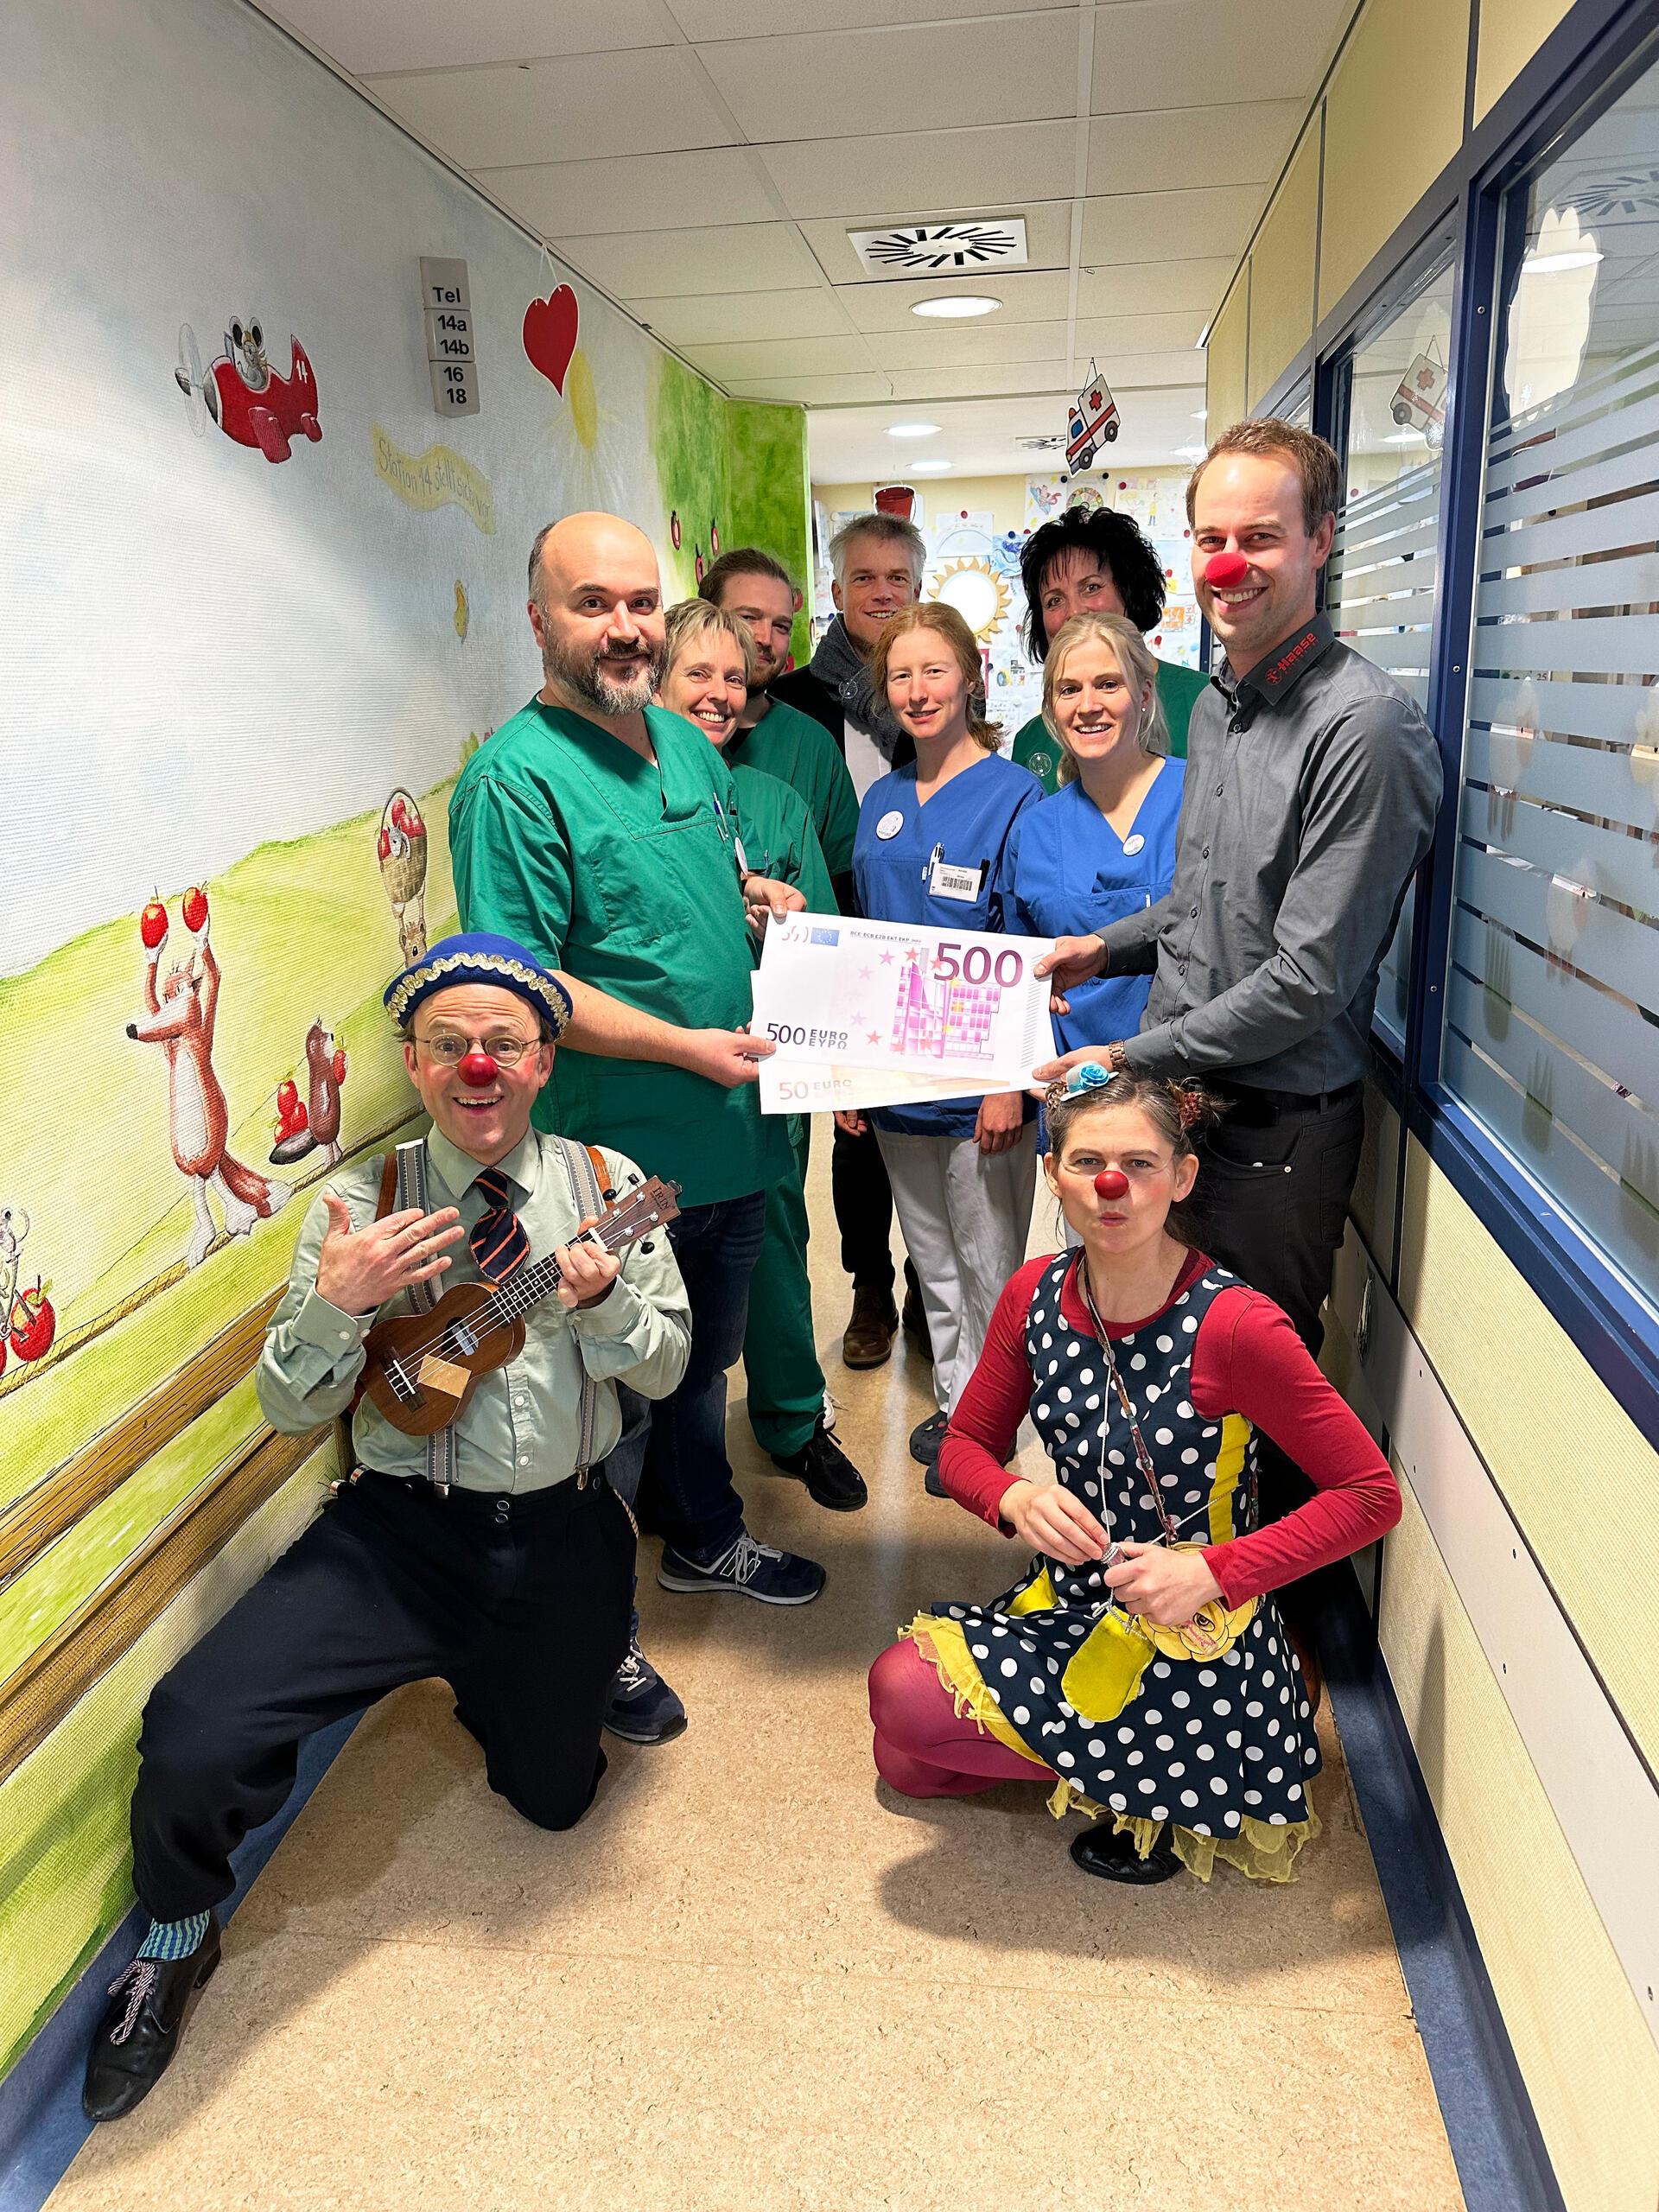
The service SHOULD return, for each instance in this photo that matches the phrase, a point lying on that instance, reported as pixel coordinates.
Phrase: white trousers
(965, 1214)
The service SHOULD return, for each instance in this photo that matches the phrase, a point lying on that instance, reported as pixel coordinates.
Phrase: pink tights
(922, 1747)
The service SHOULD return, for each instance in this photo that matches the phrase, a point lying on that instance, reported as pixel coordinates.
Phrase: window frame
(1583, 67)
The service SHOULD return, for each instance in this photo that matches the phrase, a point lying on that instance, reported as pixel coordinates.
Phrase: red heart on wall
(550, 334)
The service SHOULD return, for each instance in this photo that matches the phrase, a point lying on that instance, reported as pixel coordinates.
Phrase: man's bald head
(596, 608)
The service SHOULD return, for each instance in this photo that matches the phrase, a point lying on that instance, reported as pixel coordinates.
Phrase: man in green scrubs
(601, 831)
(1093, 560)
(772, 735)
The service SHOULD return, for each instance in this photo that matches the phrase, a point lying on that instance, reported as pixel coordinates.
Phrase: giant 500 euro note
(800, 1088)
(961, 1009)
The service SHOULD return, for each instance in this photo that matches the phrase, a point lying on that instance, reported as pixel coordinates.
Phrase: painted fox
(179, 1017)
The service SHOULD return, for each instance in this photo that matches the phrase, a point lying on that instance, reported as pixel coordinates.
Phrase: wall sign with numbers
(447, 302)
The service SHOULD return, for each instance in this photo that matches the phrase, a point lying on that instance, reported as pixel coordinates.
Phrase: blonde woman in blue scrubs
(1103, 845)
(932, 845)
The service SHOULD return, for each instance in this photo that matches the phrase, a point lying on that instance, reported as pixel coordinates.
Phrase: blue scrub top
(1069, 875)
(967, 823)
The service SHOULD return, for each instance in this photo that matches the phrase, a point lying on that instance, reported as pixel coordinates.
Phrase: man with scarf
(877, 561)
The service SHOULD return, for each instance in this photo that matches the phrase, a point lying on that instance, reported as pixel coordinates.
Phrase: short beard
(583, 675)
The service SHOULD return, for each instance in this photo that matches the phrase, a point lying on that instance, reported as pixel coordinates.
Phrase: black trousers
(521, 1604)
(863, 1203)
(1272, 1204)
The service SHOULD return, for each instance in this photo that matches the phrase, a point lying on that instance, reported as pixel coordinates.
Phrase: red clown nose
(477, 1069)
(1111, 1183)
(1223, 571)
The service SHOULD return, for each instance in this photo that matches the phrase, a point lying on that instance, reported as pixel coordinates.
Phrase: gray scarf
(837, 665)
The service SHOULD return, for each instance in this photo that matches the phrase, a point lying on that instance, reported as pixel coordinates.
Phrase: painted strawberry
(417, 827)
(383, 845)
(340, 1068)
(194, 909)
(152, 923)
(288, 1096)
(400, 816)
(33, 1323)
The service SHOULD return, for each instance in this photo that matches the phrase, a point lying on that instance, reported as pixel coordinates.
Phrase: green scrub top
(778, 839)
(801, 753)
(1178, 688)
(623, 872)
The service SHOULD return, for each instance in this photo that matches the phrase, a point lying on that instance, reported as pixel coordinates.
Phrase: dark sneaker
(1112, 1855)
(643, 1709)
(924, 1442)
(933, 1484)
(914, 1323)
(749, 1570)
(150, 2004)
(831, 1479)
(868, 1340)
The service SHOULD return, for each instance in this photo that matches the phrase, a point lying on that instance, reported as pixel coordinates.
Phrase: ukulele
(421, 1367)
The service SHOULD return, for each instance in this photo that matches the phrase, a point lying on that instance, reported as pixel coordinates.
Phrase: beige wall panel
(1576, 1471)
(1589, 2063)
(1393, 120)
(1226, 356)
(1281, 271)
(1511, 32)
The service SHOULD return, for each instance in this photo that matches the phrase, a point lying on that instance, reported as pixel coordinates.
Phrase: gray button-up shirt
(520, 1428)
(1312, 787)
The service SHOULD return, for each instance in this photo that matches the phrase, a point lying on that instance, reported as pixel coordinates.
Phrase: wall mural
(259, 609)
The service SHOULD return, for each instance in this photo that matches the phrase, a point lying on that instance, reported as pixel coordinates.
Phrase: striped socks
(174, 1939)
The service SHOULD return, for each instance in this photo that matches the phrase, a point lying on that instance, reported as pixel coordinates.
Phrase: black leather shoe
(831, 1479)
(149, 2005)
(1112, 1855)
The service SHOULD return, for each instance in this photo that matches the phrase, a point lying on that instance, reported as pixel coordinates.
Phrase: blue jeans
(678, 1445)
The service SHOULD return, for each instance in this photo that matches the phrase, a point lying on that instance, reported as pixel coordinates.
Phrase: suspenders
(403, 1183)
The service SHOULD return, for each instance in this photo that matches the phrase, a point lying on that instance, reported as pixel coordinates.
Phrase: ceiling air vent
(942, 248)
(1051, 442)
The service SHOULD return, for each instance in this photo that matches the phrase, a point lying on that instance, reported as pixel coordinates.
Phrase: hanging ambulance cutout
(1419, 402)
(1093, 422)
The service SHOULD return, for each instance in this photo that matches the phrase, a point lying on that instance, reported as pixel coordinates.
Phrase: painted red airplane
(250, 402)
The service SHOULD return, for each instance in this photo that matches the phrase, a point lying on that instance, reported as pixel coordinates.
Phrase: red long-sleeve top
(1246, 1359)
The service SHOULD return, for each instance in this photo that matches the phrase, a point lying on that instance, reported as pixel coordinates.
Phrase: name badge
(890, 825)
(1134, 844)
(949, 879)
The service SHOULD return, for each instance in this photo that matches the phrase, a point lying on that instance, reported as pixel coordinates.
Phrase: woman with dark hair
(1138, 1666)
(1093, 561)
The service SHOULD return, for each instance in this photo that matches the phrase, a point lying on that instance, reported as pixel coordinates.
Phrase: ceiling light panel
(957, 248)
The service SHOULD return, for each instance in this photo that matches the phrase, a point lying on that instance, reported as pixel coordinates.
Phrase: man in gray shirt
(1312, 784)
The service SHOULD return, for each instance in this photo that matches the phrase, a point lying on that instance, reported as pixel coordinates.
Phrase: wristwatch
(1118, 1059)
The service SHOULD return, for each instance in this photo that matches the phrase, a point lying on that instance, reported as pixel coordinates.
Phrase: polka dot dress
(1202, 1745)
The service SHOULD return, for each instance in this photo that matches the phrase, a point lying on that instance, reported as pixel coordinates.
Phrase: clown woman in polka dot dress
(1138, 1667)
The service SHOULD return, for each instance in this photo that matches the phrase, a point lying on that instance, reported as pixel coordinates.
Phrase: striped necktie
(497, 1237)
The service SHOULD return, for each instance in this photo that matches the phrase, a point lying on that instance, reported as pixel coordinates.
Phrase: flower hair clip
(1189, 1103)
(1087, 1075)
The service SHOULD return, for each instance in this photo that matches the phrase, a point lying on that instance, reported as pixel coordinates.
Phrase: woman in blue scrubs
(1103, 845)
(932, 845)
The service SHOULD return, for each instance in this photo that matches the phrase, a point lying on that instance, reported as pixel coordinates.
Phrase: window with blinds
(1381, 577)
(1552, 997)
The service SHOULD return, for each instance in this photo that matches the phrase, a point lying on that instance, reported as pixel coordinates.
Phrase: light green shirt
(778, 839)
(520, 1429)
(801, 753)
(623, 872)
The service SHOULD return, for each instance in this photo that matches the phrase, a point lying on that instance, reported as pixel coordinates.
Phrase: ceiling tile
(1245, 145)
(703, 20)
(813, 391)
(1160, 54)
(849, 445)
(1018, 69)
(1048, 240)
(1043, 378)
(650, 102)
(1154, 287)
(364, 36)
(1140, 226)
(671, 264)
(784, 357)
(712, 318)
(1033, 295)
(1152, 372)
(966, 345)
(637, 192)
(1140, 334)
(938, 171)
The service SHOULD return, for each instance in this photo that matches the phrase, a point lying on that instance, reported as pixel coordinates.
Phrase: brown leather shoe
(868, 1340)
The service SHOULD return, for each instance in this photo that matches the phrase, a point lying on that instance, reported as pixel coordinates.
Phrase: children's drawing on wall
(400, 846)
(180, 1013)
(241, 391)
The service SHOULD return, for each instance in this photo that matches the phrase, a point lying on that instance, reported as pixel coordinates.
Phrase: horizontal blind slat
(1613, 644)
(1603, 861)
(1626, 713)
(1625, 523)
(1587, 440)
(1410, 610)
(1608, 945)
(1603, 1029)
(1564, 775)
(1565, 591)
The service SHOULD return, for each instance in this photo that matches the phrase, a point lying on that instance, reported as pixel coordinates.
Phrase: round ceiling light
(912, 429)
(954, 304)
(930, 467)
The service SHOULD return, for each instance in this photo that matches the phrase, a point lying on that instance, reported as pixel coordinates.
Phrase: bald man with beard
(602, 832)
